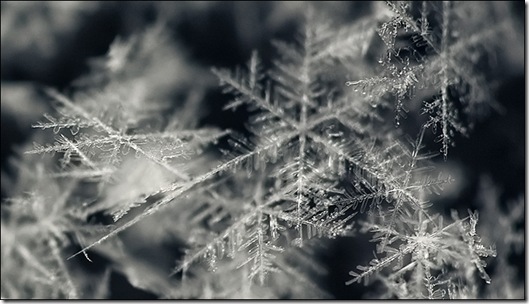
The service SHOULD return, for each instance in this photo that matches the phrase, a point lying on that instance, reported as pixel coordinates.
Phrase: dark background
(223, 35)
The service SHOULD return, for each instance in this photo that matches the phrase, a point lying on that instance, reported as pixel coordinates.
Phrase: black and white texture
(262, 150)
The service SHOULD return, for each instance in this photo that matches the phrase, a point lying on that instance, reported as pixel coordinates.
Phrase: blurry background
(51, 43)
